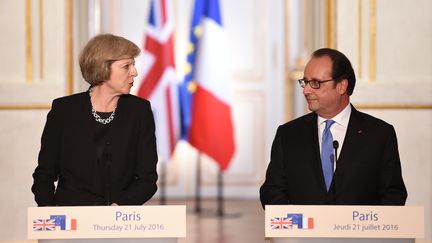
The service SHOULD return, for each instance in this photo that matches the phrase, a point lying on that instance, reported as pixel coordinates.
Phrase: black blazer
(68, 154)
(368, 170)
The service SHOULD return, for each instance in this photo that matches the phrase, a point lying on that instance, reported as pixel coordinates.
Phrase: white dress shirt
(338, 129)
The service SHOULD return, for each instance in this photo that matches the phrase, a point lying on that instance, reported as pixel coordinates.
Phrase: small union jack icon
(44, 224)
(280, 223)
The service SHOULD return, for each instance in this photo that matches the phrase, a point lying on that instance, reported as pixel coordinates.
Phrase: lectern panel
(392, 222)
(103, 222)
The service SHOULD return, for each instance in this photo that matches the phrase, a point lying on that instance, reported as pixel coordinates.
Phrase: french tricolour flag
(159, 83)
(308, 223)
(70, 224)
(211, 130)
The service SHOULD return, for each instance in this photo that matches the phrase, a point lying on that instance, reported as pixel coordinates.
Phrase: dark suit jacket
(68, 154)
(368, 170)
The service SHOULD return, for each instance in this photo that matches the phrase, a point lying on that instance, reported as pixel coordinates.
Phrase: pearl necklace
(97, 117)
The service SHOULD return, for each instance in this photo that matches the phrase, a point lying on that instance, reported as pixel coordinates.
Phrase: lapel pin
(359, 131)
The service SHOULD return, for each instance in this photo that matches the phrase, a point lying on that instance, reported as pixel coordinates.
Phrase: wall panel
(33, 69)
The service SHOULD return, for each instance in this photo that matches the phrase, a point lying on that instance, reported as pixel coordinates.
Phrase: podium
(112, 224)
(337, 224)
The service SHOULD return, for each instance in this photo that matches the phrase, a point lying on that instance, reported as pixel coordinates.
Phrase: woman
(100, 145)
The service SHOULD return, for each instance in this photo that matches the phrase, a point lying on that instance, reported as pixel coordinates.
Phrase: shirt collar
(342, 118)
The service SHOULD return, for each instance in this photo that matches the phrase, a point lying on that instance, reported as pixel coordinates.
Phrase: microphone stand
(335, 146)
(107, 181)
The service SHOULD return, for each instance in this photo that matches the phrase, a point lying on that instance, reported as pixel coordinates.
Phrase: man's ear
(342, 86)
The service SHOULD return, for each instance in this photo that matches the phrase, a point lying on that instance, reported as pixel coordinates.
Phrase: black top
(69, 154)
(101, 133)
(100, 138)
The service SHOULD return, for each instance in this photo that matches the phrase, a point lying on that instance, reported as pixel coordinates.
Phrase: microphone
(335, 146)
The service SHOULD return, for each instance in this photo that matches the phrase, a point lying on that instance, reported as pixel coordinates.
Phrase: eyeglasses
(314, 84)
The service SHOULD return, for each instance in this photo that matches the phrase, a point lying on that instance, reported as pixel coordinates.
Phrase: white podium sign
(107, 222)
(294, 221)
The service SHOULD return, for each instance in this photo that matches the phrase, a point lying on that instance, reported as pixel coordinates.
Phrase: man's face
(330, 98)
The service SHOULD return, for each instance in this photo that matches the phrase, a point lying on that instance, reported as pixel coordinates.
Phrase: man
(354, 161)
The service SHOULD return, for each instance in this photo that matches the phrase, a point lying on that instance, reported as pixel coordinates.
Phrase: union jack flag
(281, 223)
(44, 224)
(159, 83)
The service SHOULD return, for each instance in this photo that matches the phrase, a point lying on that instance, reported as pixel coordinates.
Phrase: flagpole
(162, 199)
(198, 185)
(220, 201)
(220, 211)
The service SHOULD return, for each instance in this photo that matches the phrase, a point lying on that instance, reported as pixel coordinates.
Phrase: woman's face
(122, 76)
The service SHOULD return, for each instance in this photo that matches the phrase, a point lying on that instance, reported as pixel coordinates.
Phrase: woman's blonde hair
(100, 52)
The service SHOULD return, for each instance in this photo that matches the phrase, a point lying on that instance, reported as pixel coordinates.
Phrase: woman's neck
(102, 100)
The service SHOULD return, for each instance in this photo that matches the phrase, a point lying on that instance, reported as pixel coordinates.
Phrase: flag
(44, 225)
(64, 223)
(280, 223)
(308, 223)
(300, 221)
(297, 219)
(159, 83)
(211, 128)
(60, 221)
(71, 224)
(188, 86)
